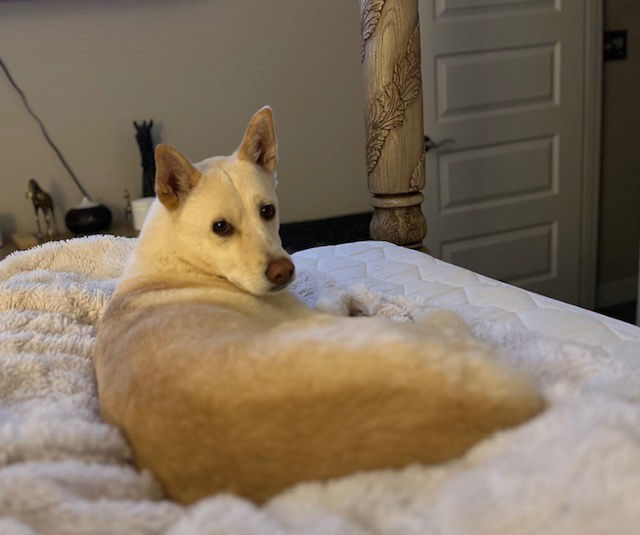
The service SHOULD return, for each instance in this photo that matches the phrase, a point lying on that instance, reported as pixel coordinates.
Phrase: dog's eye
(222, 228)
(268, 211)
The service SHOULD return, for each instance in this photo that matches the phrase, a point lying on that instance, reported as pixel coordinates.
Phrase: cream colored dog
(223, 383)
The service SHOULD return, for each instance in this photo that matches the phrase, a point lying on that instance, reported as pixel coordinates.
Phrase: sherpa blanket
(574, 469)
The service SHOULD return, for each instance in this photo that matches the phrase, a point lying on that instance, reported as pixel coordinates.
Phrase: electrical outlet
(615, 45)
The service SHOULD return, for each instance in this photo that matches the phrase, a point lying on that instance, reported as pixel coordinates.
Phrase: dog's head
(224, 210)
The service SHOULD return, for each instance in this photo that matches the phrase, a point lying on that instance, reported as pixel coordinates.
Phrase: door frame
(591, 150)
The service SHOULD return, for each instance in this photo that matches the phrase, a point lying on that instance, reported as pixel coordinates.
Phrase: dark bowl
(88, 220)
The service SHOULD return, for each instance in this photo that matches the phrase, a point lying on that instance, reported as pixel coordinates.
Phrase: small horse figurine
(42, 201)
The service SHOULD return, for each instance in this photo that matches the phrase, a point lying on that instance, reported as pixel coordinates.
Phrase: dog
(222, 381)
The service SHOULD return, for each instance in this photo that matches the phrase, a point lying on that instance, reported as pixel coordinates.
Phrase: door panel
(461, 8)
(486, 177)
(466, 82)
(505, 80)
(521, 256)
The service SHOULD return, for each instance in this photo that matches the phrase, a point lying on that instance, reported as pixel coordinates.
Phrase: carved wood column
(395, 136)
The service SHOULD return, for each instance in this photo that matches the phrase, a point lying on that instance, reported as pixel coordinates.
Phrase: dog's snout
(280, 271)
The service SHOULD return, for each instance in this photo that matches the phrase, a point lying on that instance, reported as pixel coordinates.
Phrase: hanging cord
(43, 129)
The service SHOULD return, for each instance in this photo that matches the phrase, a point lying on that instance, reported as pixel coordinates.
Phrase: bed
(574, 469)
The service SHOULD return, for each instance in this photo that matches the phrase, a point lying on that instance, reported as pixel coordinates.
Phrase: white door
(504, 79)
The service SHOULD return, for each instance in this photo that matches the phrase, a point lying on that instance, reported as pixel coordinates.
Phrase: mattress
(390, 270)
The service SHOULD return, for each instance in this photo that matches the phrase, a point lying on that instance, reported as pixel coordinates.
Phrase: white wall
(199, 68)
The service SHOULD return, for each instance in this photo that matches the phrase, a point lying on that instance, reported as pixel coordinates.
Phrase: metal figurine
(145, 143)
(128, 213)
(42, 202)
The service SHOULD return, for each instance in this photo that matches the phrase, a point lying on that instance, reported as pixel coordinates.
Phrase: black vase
(88, 218)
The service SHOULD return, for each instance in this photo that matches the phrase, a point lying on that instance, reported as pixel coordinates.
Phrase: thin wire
(43, 129)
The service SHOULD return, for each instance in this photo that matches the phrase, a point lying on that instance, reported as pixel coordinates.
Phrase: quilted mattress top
(391, 270)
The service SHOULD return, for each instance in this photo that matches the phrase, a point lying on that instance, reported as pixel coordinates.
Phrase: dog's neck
(156, 259)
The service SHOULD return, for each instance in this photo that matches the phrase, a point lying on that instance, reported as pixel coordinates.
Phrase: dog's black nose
(280, 271)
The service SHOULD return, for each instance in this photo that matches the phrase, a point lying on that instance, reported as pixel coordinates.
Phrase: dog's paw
(334, 301)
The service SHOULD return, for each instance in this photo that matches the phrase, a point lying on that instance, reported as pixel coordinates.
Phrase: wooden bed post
(395, 136)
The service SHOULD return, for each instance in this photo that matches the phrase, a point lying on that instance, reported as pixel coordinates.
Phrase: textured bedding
(574, 469)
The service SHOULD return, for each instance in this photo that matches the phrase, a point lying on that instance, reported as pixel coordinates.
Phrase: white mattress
(392, 270)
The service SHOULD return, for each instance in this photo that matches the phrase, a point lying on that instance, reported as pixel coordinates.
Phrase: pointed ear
(259, 143)
(175, 176)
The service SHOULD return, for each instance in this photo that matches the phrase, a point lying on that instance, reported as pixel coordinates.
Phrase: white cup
(139, 209)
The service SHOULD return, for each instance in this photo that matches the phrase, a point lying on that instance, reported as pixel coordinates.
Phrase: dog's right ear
(175, 176)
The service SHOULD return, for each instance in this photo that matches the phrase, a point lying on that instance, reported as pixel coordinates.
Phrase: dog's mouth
(278, 287)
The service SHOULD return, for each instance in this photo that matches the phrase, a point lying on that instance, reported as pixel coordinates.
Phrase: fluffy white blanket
(575, 469)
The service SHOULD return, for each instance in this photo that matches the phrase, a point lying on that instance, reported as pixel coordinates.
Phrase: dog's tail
(297, 406)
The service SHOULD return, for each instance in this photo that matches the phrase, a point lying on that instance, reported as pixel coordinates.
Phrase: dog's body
(222, 383)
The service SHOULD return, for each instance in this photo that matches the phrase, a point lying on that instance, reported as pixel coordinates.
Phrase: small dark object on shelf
(88, 218)
(147, 157)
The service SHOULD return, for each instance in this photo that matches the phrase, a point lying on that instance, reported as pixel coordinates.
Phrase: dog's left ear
(259, 143)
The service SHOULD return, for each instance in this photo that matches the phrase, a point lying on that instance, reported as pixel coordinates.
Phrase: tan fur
(226, 386)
